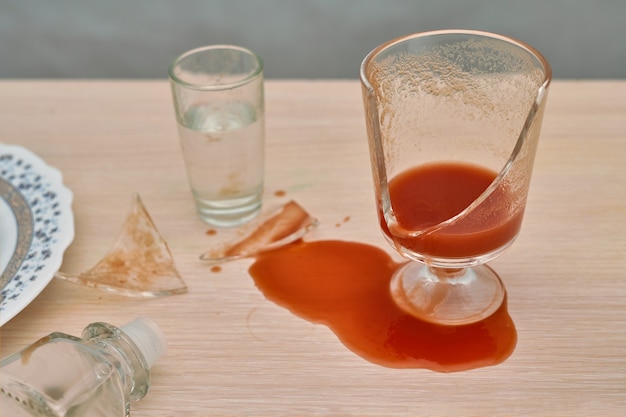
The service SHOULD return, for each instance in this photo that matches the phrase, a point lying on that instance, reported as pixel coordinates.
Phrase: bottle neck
(133, 366)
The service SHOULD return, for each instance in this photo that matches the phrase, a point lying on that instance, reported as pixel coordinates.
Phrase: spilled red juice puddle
(345, 285)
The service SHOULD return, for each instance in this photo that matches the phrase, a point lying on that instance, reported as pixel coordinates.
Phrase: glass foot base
(447, 296)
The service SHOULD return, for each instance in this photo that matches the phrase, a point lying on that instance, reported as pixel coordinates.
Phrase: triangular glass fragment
(286, 225)
(139, 264)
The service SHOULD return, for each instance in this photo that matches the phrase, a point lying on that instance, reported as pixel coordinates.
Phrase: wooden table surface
(232, 352)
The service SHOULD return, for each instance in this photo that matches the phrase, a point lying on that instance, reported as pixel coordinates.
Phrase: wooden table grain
(232, 352)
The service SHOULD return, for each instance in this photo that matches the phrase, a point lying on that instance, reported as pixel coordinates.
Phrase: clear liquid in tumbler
(223, 147)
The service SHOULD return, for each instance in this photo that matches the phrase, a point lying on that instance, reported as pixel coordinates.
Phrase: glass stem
(445, 274)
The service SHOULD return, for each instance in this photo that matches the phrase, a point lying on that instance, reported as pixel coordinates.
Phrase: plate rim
(61, 197)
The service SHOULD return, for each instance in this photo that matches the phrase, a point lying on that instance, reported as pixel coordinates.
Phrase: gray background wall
(296, 38)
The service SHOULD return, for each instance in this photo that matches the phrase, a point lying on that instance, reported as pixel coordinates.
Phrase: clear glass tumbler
(219, 103)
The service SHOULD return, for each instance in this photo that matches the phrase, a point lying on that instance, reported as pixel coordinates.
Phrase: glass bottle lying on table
(96, 375)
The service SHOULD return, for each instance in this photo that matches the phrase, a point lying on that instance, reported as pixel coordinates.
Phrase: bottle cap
(148, 337)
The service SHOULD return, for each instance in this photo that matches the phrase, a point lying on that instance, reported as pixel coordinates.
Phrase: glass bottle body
(62, 375)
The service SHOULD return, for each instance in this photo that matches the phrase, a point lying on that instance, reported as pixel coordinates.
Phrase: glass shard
(288, 224)
(139, 264)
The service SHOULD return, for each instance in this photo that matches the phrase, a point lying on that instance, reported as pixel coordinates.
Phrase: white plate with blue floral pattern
(36, 227)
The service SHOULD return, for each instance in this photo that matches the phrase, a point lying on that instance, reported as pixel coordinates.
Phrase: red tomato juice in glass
(427, 195)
